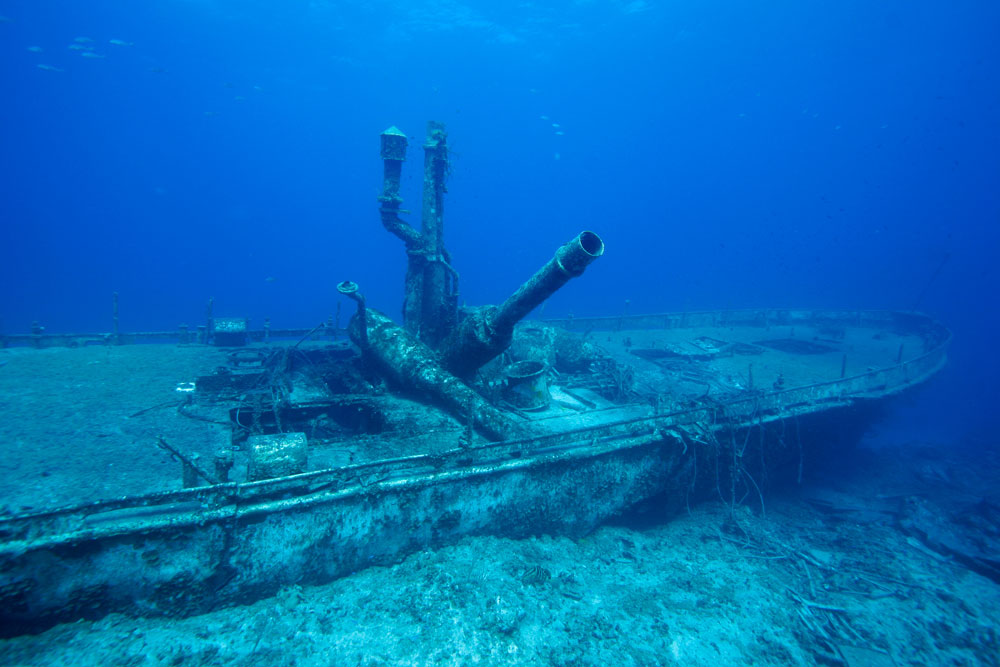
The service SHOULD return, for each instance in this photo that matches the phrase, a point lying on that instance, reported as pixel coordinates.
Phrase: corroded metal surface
(190, 550)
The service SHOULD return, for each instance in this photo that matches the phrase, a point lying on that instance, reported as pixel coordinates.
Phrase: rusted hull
(200, 559)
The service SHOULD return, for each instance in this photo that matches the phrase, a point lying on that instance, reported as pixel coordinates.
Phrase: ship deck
(82, 424)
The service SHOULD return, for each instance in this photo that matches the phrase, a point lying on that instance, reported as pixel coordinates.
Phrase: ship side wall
(240, 556)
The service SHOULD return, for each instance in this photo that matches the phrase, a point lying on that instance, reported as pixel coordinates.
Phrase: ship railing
(890, 320)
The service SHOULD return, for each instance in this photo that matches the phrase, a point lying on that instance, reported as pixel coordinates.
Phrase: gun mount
(485, 332)
(430, 305)
(429, 353)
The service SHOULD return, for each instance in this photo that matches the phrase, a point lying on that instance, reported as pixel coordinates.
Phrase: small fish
(157, 70)
(270, 279)
(559, 133)
(91, 54)
(82, 40)
(120, 42)
(544, 117)
(555, 124)
(35, 49)
(48, 68)
(79, 47)
(535, 575)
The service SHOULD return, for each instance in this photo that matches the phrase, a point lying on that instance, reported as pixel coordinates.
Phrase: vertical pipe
(393, 153)
(437, 316)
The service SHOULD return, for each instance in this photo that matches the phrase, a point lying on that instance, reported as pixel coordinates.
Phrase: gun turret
(487, 331)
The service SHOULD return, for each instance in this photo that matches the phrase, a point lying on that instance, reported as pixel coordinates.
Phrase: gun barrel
(569, 261)
(486, 332)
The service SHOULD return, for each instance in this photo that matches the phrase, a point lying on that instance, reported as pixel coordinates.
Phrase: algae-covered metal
(195, 549)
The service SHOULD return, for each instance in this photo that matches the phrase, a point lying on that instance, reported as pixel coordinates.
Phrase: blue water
(731, 154)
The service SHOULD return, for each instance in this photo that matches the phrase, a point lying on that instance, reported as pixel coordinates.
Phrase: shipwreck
(295, 456)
